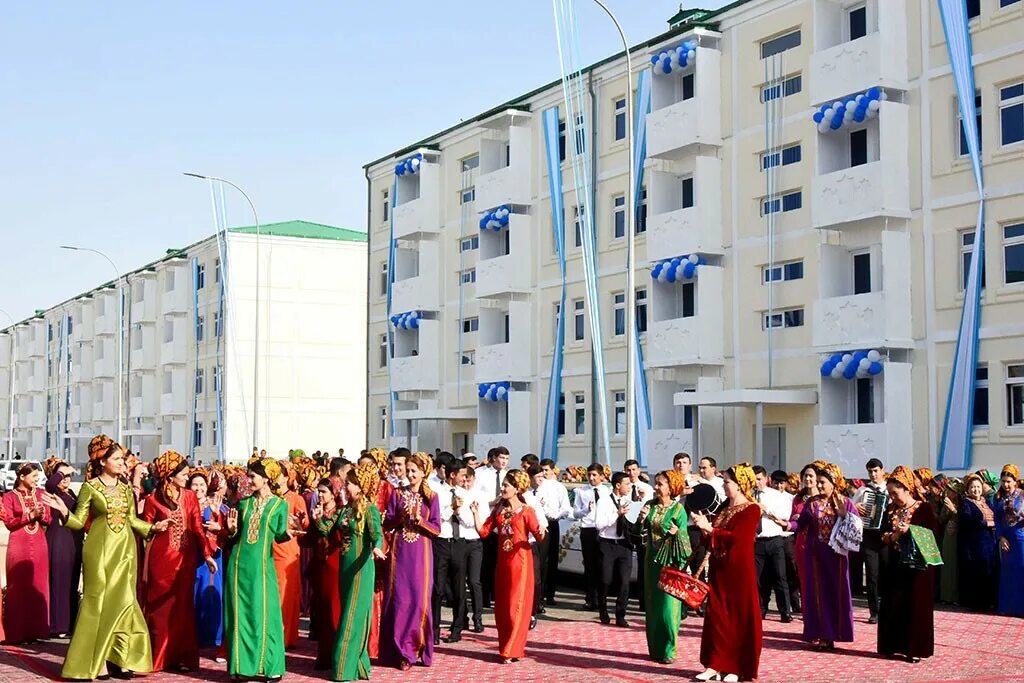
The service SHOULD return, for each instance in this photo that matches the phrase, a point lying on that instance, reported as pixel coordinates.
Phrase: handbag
(687, 587)
(918, 549)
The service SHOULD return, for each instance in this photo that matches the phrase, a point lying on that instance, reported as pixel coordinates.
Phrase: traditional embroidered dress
(65, 548)
(252, 607)
(1009, 514)
(27, 612)
(406, 630)
(289, 574)
(354, 587)
(663, 611)
(384, 492)
(731, 639)
(110, 626)
(827, 602)
(209, 588)
(979, 555)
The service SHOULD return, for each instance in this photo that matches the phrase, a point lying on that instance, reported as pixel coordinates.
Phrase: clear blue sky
(106, 103)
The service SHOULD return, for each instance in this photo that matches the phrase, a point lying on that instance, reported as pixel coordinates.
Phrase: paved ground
(570, 646)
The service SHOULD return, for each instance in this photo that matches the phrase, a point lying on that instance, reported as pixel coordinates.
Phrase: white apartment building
(188, 360)
(812, 243)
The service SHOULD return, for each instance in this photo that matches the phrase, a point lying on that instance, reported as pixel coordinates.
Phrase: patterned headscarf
(288, 470)
(98, 446)
(1010, 469)
(380, 457)
(165, 467)
(834, 474)
(988, 477)
(425, 464)
(367, 478)
(743, 474)
(51, 464)
(971, 478)
(676, 482)
(904, 476)
(519, 479)
(268, 468)
(925, 475)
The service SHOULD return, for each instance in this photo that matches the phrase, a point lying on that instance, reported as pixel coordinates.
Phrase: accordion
(874, 503)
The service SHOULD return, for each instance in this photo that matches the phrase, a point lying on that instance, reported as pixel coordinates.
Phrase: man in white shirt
(539, 546)
(452, 550)
(488, 488)
(616, 552)
(871, 544)
(584, 503)
(639, 492)
(780, 482)
(397, 475)
(708, 468)
(554, 498)
(770, 544)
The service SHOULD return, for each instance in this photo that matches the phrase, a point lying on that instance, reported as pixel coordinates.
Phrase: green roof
(306, 230)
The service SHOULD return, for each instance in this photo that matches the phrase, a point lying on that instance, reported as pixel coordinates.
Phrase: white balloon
(836, 373)
(836, 104)
(848, 115)
(884, 95)
(828, 115)
(874, 356)
(858, 98)
(847, 357)
(415, 162)
(823, 127)
(693, 258)
(863, 365)
(874, 105)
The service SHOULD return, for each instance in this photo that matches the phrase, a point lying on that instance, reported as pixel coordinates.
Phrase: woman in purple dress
(827, 603)
(65, 548)
(413, 514)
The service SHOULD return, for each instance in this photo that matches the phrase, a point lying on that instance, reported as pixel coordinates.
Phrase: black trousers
(770, 564)
(698, 550)
(474, 561)
(540, 561)
(591, 564)
(616, 567)
(450, 570)
(549, 569)
(490, 565)
(792, 574)
(871, 548)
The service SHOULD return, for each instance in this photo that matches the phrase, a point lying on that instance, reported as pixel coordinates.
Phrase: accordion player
(874, 502)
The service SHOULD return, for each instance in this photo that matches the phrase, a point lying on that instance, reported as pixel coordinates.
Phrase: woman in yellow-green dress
(110, 630)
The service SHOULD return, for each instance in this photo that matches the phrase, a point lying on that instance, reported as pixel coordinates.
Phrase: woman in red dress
(171, 563)
(385, 490)
(513, 520)
(324, 567)
(730, 645)
(287, 556)
(27, 613)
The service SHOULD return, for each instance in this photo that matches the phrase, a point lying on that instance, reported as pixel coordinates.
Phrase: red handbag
(686, 587)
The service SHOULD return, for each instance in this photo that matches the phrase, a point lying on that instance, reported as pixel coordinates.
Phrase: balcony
(143, 353)
(35, 340)
(500, 360)
(84, 328)
(417, 209)
(877, 319)
(103, 402)
(696, 229)
(176, 403)
(877, 189)
(105, 312)
(144, 299)
(417, 362)
(878, 59)
(675, 125)
(417, 279)
(173, 352)
(498, 272)
(82, 363)
(674, 340)
(177, 301)
(499, 423)
(504, 176)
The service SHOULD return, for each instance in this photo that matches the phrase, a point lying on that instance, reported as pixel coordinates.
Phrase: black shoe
(605, 619)
(797, 609)
(621, 623)
(533, 623)
(873, 619)
(541, 610)
(589, 607)
(478, 626)
(786, 618)
(454, 637)
(437, 639)
(551, 602)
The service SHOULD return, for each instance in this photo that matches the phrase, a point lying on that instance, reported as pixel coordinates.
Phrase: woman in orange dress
(287, 556)
(513, 520)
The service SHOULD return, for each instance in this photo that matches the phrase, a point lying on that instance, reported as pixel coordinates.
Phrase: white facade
(828, 242)
(189, 354)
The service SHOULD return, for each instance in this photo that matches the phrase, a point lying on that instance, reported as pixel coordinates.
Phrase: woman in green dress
(362, 541)
(662, 523)
(253, 627)
(110, 632)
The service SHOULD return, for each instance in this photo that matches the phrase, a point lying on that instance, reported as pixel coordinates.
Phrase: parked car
(9, 473)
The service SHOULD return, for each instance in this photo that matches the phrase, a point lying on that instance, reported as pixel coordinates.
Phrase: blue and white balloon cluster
(410, 166)
(675, 58)
(496, 219)
(406, 321)
(850, 365)
(494, 391)
(678, 268)
(856, 109)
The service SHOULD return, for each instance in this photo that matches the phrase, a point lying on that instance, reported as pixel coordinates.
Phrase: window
(468, 357)
(688, 296)
(620, 411)
(787, 202)
(580, 414)
(384, 278)
(578, 320)
(641, 212)
(469, 163)
(980, 416)
(169, 280)
(1015, 395)
(49, 332)
(1007, 3)
(213, 432)
(576, 226)
(620, 118)
(973, 9)
(857, 21)
(470, 325)
(508, 328)
(641, 310)
(382, 353)
(784, 88)
(859, 147)
(218, 324)
(780, 44)
(865, 400)
(197, 434)
(200, 276)
(386, 204)
(862, 272)
(788, 155)
(200, 326)
(966, 245)
(199, 381)
(216, 270)
(1013, 253)
(561, 415)
(964, 151)
(383, 422)
(1011, 113)
(470, 243)
(561, 140)
(619, 313)
(215, 371)
(467, 195)
(581, 134)
(688, 410)
(467, 276)
(619, 216)
(688, 87)
(793, 317)
(687, 189)
(554, 329)
(783, 272)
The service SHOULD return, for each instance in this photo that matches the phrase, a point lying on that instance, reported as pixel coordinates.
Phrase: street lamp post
(256, 334)
(631, 340)
(10, 388)
(119, 388)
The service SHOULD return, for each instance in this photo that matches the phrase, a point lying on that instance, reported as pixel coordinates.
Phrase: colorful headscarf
(380, 457)
(1012, 470)
(98, 447)
(164, 468)
(834, 474)
(925, 475)
(989, 477)
(743, 474)
(676, 482)
(268, 468)
(367, 478)
(425, 464)
(904, 476)
(974, 477)
(519, 479)
(51, 464)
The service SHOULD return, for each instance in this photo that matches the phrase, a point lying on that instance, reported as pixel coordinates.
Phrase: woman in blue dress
(978, 551)
(1008, 507)
(209, 587)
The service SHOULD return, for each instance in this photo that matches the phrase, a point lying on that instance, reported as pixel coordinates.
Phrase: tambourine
(703, 499)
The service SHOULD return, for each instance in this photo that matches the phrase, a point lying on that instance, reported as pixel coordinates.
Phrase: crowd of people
(150, 562)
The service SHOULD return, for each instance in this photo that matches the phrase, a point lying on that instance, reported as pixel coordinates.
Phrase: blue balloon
(859, 114)
(656, 271)
(671, 277)
(654, 59)
(675, 261)
(836, 122)
(835, 359)
(874, 93)
(851, 371)
(826, 370)
(481, 390)
(414, 323)
(688, 270)
(875, 368)
(818, 116)
(666, 66)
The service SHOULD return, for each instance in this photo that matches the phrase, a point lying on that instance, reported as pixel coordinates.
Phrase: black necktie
(620, 523)
(497, 482)
(636, 493)
(455, 517)
(760, 522)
